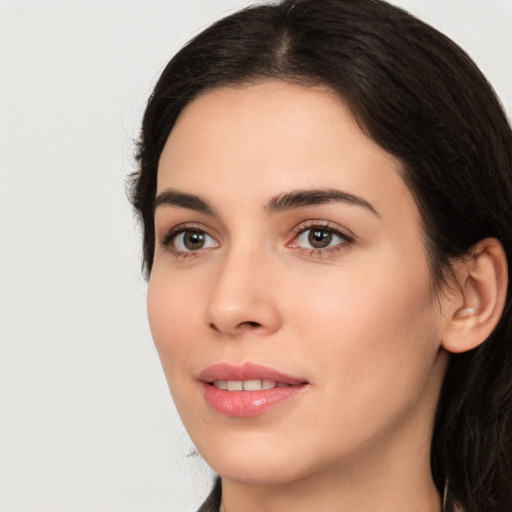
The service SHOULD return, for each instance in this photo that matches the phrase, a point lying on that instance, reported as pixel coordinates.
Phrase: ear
(475, 304)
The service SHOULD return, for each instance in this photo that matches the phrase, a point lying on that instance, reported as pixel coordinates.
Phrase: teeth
(252, 385)
(267, 384)
(247, 385)
(235, 385)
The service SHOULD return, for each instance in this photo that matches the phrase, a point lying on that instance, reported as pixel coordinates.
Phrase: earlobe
(476, 306)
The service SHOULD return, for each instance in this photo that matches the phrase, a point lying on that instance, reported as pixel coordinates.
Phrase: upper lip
(246, 371)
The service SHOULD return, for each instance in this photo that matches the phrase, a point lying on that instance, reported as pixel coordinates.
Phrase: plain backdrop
(86, 421)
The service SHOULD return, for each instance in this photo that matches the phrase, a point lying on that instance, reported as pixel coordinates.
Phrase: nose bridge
(242, 297)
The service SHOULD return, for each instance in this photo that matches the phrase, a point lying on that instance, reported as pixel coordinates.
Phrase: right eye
(190, 240)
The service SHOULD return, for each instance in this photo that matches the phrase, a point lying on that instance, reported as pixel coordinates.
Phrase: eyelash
(324, 226)
(168, 241)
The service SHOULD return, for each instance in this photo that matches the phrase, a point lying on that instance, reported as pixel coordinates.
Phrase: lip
(247, 403)
(246, 371)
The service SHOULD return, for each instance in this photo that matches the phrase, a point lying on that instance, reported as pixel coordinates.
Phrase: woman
(326, 191)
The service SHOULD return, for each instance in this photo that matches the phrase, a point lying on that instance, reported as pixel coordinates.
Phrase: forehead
(256, 141)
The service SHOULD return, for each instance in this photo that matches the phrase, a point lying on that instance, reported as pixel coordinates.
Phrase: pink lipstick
(247, 390)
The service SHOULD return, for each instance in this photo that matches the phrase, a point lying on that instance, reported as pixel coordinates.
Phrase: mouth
(247, 390)
(249, 385)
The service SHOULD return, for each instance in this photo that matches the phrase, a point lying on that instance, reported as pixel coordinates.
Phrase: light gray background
(86, 423)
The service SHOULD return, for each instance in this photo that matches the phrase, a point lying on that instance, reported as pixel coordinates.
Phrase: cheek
(174, 313)
(373, 327)
(372, 345)
(173, 319)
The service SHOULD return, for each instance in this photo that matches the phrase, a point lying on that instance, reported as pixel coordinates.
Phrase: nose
(243, 298)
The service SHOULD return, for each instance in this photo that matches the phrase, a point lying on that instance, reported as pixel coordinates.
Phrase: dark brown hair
(421, 98)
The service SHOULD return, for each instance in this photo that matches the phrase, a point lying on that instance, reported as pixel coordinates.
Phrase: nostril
(240, 326)
(250, 324)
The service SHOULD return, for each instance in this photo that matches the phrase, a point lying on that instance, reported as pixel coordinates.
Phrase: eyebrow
(280, 203)
(303, 198)
(177, 199)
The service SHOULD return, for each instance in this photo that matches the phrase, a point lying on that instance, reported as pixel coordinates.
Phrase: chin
(258, 471)
(253, 459)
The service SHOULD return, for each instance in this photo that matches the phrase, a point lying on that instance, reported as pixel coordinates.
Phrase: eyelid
(178, 228)
(345, 234)
(323, 224)
(166, 241)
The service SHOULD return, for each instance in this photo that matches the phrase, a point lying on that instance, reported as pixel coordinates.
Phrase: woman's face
(289, 262)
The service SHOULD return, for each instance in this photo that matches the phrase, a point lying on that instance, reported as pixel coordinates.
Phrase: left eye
(319, 238)
(191, 240)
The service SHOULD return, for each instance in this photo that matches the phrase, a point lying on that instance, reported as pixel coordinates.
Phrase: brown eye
(192, 240)
(319, 238)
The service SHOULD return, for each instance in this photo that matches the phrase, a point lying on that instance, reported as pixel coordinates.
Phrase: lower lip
(248, 403)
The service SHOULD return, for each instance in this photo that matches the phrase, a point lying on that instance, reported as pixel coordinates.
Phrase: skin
(360, 322)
